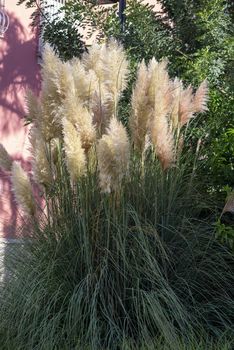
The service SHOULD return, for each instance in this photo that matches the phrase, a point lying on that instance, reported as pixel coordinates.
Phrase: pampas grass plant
(113, 153)
(74, 153)
(120, 258)
(22, 189)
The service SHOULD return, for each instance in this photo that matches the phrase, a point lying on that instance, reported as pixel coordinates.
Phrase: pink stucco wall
(19, 70)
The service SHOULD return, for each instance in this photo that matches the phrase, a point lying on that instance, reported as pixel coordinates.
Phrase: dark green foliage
(225, 233)
(182, 13)
(61, 29)
(145, 35)
(65, 38)
(213, 60)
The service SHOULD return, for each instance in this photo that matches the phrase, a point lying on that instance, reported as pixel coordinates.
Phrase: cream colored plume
(49, 123)
(110, 65)
(176, 89)
(192, 103)
(22, 189)
(75, 154)
(51, 72)
(160, 128)
(229, 205)
(103, 108)
(162, 139)
(141, 108)
(33, 106)
(81, 118)
(113, 152)
(51, 64)
(116, 69)
(158, 79)
(186, 108)
(163, 100)
(5, 159)
(116, 72)
(94, 60)
(64, 81)
(85, 82)
(201, 98)
(43, 125)
(41, 164)
(57, 81)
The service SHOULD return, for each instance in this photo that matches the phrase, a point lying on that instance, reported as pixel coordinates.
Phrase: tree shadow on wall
(18, 72)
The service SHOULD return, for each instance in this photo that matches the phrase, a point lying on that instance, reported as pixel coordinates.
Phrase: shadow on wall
(18, 72)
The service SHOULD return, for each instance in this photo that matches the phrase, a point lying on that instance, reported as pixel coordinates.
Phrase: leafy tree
(213, 59)
(145, 34)
(61, 30)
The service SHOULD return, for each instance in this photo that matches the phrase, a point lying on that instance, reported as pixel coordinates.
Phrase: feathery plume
(176, 88)
(110, 65)
(51, 64)
(162, 139)
(94, 60)
(229, 205)
(153, 80)
(113, 152)
(160, 130)
(41, 168)
(192, 103)
(22, 189)
(102, 108)
(85, 82)
(201, 98)
(49, 122)
(158, 79)
(64, 81)
(186, 108)
(116, 69)
(80, 117)
(57, 81)
(75, 154)
(141, 109)
(33, 106)
(5, 159)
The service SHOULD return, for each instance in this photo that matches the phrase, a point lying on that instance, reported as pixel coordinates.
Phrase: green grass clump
(111, 268)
